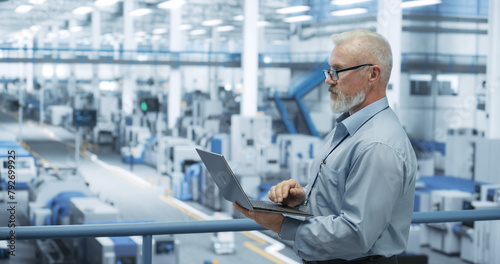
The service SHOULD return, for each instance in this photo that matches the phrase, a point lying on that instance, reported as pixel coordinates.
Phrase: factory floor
(141, 195)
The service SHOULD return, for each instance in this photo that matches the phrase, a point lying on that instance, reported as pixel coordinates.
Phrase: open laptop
(231, 189)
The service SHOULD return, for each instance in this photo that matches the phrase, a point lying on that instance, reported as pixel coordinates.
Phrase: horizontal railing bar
(142, 229)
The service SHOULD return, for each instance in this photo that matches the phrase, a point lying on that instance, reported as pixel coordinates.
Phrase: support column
(492, 105)
(250, 59)
(72, 45)
(22, 76)
(492, 69)
(128, 94)
(213, 69)
(96, 45)
(389, 25)
(175, 86)
(41, 79)
(55, 53)
(29, 66)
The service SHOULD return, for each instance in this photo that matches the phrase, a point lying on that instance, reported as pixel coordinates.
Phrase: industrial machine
(16, 158)
(442, 236)
(136, 137)
(108, 117)
(296, 154)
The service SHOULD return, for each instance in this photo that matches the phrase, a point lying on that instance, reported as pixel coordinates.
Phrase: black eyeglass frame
(335, 73)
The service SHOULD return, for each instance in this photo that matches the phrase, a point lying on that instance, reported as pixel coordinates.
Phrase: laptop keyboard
(267, 205)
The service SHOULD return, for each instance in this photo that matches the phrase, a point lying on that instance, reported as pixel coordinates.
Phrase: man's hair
(367, 46)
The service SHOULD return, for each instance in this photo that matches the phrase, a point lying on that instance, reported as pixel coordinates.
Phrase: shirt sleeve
(373, 185)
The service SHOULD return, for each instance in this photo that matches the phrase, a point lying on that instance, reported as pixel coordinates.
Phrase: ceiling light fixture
(263, 23)
(159, 31)
(171, 4)
(35, 28)
(23, 8)
(349, 12)
(140, 12)
(213, 22)
(186, 27)
(82, 10)
(238, 18)
(76, 29)
(409, 4)
(348, 2)
(37, 2)
(102, 3)
(293, 9)
(224, 28)
(297, 19)
(197, 32)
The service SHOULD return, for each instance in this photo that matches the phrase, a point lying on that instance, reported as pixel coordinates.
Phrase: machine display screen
(126, 260)
(84, 118)
(165, 247)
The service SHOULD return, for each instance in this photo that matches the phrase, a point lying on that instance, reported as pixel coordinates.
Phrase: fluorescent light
(238, 18)
(224, 28)
(140, 12)
(171, 4)
(23, 8)
(105, 2)
(197, 32)
(292, 9)
(76, 29)
(35, 28)
(82, 10)
(186, 27)
(409, 4)
(348, 12)
(263, 23)
(297, 19)
(37, 2)
(159, 31)
(348, 2)
(213, 22)
(156, 37)
(63, 34)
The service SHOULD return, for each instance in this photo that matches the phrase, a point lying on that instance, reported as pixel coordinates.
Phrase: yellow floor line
(259, 240)
(165, 199)
(263, 253)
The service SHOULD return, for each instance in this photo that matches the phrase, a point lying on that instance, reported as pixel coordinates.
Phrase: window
(447, 84)
(420, 84)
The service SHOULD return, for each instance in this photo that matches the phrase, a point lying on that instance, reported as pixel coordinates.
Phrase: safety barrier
(147, 230)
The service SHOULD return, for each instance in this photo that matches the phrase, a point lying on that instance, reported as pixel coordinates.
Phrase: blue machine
(185, 187)
(23, 162)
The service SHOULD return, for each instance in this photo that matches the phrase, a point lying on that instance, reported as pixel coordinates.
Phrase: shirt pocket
(331, 188)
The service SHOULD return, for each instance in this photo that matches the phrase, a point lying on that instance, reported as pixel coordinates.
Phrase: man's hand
(289, 193)
(271, 221)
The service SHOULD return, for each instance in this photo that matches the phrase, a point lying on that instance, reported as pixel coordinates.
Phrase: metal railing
(147, 230)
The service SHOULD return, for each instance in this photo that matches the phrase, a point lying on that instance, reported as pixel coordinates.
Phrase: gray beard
(344, 103)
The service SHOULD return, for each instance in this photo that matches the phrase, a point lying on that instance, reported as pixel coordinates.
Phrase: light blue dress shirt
(361, 193)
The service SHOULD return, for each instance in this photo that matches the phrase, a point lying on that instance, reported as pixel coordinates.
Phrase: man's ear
(375, 72)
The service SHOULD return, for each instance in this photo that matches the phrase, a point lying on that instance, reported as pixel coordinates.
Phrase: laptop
(231, 189)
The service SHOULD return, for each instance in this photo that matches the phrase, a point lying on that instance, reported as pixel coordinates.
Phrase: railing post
(147, 249)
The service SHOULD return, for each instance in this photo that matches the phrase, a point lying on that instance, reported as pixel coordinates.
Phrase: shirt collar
(354, 122)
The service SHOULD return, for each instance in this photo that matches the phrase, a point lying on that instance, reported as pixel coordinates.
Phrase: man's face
(348, 91)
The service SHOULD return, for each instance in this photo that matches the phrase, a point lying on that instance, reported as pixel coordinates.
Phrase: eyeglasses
(334, 74)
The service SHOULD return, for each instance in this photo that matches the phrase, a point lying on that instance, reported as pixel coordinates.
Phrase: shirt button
(335, 143)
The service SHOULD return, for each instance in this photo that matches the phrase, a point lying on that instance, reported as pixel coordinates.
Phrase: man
(361, 187)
